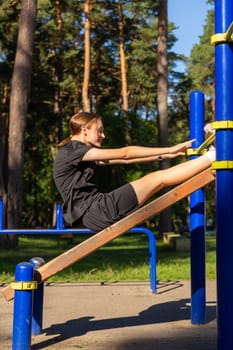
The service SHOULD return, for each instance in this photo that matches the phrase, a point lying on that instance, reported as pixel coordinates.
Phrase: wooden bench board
(98, 240)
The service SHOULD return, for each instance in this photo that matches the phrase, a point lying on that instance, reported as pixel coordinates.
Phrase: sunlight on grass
(124, 259)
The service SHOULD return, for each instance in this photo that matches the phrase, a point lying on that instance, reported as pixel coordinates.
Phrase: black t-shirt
(75, 180)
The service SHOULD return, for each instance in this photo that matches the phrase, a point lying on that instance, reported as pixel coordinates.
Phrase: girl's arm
(134, 154)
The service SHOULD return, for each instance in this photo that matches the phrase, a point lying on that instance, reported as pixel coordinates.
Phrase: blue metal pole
(224, 177)
(59, 217)
(22, 308)
(38, 299)
(197, 218)
(152, 252)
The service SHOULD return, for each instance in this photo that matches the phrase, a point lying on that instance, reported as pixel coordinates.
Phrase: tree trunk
(165, 223)
(58, 72)
(3, 140)
(3, 158)
(20, 88)
(87, 59)
(124, 89)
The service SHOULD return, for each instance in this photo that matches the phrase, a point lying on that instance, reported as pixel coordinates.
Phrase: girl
(77, 161)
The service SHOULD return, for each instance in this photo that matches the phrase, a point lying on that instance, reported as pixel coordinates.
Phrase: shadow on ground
(157, 314)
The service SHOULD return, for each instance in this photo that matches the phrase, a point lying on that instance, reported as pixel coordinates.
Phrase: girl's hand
(208, 128)
(180, 149)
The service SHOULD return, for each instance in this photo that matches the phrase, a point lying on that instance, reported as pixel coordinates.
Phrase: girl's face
(94, 135)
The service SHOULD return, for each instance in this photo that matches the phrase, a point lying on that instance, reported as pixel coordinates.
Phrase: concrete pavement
(118, 316)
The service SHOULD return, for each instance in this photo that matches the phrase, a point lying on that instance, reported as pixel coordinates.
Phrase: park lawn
(124, 259)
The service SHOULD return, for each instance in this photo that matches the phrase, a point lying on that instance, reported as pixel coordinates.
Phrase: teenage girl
(77, 162)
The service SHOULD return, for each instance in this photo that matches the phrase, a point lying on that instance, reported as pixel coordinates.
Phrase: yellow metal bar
(206, 143)
(202, 148)
(223, 37)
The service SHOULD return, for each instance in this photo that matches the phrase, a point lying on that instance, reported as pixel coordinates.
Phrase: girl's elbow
(126, 153)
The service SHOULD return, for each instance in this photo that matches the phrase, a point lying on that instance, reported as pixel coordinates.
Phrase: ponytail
(64, 141)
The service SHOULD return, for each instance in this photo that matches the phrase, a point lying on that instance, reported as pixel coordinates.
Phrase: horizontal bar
(54, 231)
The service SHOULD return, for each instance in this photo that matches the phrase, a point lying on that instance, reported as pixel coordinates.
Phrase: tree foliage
(57, 81)
(201, 65)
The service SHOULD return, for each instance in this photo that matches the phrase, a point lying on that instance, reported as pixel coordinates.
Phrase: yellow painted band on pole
(222, 164)
(222, 124)
(24, 285)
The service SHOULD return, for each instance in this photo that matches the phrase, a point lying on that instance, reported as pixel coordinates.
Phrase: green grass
(124, 259)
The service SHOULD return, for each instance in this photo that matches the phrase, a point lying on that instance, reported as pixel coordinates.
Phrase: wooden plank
(98, 240)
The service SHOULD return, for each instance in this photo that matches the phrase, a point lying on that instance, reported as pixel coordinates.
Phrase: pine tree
(201, 65)
(20, 89)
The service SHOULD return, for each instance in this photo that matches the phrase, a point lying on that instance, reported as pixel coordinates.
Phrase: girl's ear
(84, 130)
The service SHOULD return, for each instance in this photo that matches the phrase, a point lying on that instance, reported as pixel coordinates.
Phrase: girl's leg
(149, 184)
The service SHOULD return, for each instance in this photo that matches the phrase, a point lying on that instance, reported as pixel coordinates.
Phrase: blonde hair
(77, 121)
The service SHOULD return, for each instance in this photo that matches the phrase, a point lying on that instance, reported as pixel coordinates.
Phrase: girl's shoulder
(74, 145)
(73, 151)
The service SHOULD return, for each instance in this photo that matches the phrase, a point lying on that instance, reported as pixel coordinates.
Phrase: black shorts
(110, 207)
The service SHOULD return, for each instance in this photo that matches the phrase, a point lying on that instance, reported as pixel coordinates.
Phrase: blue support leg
(224, 174)
(23, 285)
(38, 300)
(197, 218)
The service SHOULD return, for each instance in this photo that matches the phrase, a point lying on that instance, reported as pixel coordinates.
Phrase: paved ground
(118, 316)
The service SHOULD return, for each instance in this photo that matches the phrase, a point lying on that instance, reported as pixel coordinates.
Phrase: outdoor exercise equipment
(223, 41)
(38, 299)
(197, 214)
(59, 229)
(98, 240)
(24, 286)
